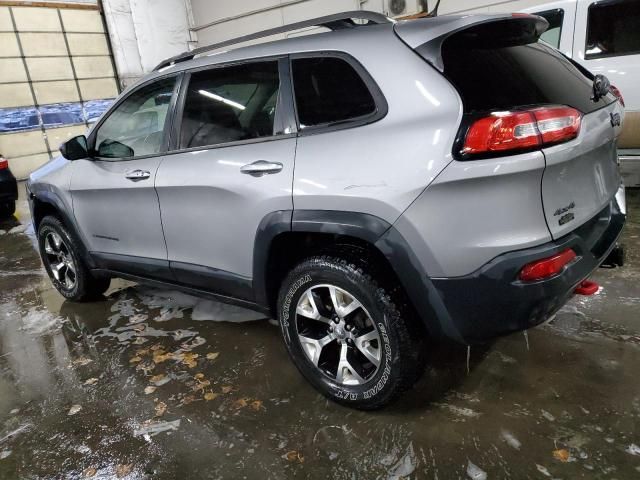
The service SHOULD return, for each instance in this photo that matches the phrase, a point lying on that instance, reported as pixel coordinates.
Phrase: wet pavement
(157, 384)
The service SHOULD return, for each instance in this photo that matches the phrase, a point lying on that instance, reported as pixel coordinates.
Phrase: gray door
(114, 200)
(233, 166)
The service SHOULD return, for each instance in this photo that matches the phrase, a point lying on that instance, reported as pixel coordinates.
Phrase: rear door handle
(261, 167)
(137, 175)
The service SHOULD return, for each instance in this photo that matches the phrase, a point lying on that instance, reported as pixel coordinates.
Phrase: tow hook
(587, 287)
(615, 258)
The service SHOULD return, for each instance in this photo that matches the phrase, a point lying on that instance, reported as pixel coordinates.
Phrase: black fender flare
(49, 197)
(371, 229)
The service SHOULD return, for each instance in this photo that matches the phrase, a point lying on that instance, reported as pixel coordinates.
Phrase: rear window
(502, 78)
(328, 90)
(613, 28)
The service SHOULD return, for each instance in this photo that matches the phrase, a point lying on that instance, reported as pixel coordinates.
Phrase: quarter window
(328, 90)
(552, 34)
(613, 29)
(230, 104)
(136, 127)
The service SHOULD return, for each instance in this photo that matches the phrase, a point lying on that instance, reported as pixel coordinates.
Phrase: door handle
(137, 175)
(261, 167)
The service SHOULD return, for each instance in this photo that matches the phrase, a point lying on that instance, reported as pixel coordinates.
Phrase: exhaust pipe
(615, 258)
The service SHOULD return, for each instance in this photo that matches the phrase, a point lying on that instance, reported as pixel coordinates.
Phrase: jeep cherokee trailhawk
(370, 186)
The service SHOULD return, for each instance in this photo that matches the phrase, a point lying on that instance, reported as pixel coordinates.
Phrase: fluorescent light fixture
(226, 101)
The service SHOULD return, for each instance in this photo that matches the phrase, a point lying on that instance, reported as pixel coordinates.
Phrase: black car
(8, 189)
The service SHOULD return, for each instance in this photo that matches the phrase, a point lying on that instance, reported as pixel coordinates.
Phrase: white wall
(145, 32)
(459, 6)
(220, 20)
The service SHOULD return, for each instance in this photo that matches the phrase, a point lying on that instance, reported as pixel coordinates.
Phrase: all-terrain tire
(84, 286)
(401, 336)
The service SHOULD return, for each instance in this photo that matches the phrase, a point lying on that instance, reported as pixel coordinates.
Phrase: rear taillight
(520, 130)
(616, 91)
(4, 164)
(547, 267)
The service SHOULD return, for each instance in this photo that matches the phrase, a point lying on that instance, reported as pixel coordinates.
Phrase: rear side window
(502, 78)
(328, 90)
(552, 34)
(613, 28)
(230, 104)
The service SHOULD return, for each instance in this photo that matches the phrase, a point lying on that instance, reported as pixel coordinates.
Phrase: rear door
(232, 165)
(114, 199)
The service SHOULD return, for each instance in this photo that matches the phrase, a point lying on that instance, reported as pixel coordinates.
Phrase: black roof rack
(337, 21)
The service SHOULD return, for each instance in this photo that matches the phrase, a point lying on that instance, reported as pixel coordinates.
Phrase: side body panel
(211, 211)
(115, 214)
(380, 168)
(474, 211)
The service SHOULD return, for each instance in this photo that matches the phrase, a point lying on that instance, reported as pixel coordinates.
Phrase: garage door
(56, 77)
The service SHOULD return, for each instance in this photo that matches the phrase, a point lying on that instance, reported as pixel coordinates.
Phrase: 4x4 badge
(615, 120)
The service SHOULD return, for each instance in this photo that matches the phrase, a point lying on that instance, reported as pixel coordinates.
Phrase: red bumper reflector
(4, 164)
(547, 267)
(587, 287)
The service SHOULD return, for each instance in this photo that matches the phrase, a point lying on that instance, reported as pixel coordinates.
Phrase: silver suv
(370, 187)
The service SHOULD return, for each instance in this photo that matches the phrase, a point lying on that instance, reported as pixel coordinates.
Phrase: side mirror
(75, 148)
(114, 149)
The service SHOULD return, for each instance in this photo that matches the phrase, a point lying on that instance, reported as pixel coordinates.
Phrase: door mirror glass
(75, 148)
(114, 149)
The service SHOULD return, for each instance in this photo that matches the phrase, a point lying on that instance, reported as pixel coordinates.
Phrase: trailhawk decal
(287, 304)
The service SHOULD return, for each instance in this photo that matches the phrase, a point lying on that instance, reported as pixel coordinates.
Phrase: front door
(233, 165)
(114, 199)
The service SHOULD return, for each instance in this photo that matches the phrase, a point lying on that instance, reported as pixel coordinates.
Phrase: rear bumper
(8, 186)
(493, 301)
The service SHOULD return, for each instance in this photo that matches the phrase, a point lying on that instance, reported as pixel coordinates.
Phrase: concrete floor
(86, 390)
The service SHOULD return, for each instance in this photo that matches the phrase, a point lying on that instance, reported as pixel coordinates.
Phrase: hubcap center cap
(340, 332)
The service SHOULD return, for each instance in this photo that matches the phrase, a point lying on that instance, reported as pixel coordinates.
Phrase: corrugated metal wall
(56, 76)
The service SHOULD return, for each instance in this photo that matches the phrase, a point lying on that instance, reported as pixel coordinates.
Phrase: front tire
(60, 253)
(354, 340)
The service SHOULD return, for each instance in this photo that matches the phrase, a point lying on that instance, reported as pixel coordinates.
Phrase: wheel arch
(285, 238)
(48, 203)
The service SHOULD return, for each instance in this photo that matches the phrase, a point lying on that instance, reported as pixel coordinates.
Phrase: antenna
(434, 12)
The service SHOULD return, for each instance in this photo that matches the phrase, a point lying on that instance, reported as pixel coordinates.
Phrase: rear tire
(363, 358)
(60, 253)
(7, 209)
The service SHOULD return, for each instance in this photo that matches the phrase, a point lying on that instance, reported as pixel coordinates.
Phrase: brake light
(4, 163)
(518, 130)
(616, 91)
(547, 267)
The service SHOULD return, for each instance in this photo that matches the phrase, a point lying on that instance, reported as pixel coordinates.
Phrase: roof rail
(337, 21)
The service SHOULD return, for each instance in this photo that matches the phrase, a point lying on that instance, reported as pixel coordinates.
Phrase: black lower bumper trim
(493, 301)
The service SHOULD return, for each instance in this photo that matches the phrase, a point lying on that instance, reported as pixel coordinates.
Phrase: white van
(604, 37)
